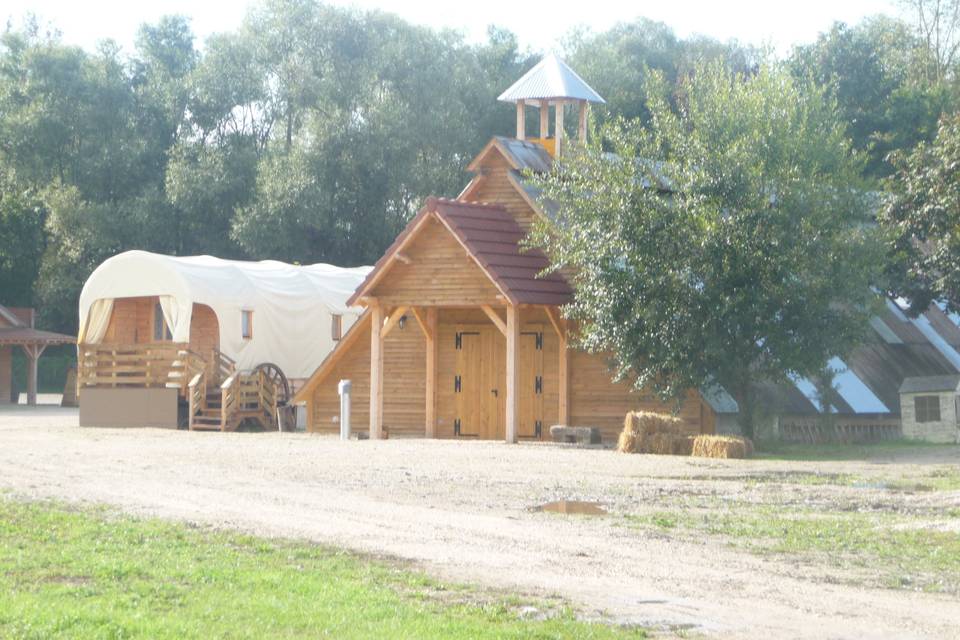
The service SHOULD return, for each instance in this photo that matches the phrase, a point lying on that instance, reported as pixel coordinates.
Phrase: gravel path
(462, 511)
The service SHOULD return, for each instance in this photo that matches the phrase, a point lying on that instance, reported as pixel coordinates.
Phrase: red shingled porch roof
(492, 237)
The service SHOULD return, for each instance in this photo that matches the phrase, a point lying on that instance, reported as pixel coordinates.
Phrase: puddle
(573, 507)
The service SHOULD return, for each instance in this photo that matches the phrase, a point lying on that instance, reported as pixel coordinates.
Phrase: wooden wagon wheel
(280, 383)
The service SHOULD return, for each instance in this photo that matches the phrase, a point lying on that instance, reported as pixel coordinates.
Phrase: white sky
(539, 25)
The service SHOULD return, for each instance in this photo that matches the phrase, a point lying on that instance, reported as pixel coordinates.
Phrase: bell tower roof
(551, 79)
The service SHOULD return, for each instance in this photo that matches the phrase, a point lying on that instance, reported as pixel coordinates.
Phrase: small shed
(928, 408)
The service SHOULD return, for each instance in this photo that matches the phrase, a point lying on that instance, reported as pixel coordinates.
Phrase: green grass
(93, 574)
(776, 450)
(898, 556)
(945, 479)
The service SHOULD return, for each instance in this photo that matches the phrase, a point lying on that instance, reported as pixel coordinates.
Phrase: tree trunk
(745, 402)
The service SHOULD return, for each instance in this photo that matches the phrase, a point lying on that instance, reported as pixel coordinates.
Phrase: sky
(539, 26)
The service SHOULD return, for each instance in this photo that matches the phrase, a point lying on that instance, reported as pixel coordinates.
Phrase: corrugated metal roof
(930, 383)
(550, 78)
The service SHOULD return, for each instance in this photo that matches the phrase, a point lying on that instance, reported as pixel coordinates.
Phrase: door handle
(495, 392)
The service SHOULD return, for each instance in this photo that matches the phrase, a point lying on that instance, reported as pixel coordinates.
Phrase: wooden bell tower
(551, 83)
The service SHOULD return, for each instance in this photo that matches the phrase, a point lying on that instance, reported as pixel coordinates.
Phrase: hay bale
(683, 445)
(721, 447)
(648, 432)
(659, 444)
(628, 441)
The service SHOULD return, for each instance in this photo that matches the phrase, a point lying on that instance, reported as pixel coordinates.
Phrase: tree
(922, 215)
(937, 24)
(872, 70)
(725, 242)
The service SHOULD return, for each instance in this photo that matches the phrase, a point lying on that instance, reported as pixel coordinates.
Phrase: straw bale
(706, 446)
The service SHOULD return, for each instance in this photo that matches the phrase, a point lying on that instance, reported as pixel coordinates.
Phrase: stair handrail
(197, 395)
(228, 399)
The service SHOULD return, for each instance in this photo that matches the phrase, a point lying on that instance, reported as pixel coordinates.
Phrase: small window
(927, 408)
(246, 324)
(160, 329)
(336, 326)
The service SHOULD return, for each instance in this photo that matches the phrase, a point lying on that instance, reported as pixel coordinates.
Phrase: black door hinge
(458, 340)
(539, 341)
(538, 428)
(456, 427)
(456, 384)
(538, 385)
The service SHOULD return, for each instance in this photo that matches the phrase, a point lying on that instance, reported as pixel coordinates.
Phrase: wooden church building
(461, 337)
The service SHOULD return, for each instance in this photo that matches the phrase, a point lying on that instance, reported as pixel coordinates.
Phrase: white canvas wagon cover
(292, 305)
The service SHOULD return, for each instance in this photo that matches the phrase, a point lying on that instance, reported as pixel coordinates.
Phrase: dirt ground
(464, 511)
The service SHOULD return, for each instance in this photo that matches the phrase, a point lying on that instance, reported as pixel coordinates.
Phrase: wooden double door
(480, 382)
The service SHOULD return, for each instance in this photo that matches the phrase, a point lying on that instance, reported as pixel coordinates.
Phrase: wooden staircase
(210, 416)
(222, 407)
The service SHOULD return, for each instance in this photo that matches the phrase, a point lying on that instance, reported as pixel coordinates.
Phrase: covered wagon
(201, 341)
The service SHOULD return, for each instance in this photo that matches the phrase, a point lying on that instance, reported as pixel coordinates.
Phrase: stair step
(201, 426)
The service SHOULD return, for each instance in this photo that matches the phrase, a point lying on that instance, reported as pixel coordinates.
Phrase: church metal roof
(550, 79)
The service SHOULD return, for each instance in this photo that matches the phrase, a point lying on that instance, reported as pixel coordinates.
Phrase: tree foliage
(923, 217)
(725, 241)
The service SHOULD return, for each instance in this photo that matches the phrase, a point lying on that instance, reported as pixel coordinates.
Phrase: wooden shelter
(462, 337)
(17, 330)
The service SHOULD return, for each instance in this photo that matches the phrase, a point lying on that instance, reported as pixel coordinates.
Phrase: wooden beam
(376, 372)
(582, 125)
(521, 120)
(556, 321)
(431, 377)
(402, 257)
(495, 318)
(544, 119)
(33, 352)
(513, 374)
(423, 322)
(392, 321)
(558, 127)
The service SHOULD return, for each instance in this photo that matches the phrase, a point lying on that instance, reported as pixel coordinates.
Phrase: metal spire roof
(550, 78)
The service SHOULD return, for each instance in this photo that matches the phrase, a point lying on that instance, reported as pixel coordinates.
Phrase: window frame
(246, 324)
(336, 326)
(926, 408)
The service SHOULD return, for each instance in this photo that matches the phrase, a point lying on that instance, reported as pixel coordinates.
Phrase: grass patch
(777, 450)
(897, 554)
(946, 479)
(68, 573)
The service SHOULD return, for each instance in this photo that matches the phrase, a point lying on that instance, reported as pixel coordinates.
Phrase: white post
(344, 390)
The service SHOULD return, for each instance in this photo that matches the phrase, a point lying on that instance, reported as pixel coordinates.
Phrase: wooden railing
(197, 394)
(229, 401)
(222, 366)
(155, 364)
(268, 396)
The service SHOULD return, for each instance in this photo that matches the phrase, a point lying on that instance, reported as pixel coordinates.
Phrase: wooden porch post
(33, 352)
(513, 370)
(376, 371)
(544, 119)
(563, 365)
(558, 127)
(521, 120)
(431, 382)
(582, 125)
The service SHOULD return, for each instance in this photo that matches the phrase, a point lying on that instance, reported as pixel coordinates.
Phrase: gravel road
(464, 511)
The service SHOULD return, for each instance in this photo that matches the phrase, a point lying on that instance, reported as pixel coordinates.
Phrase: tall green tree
(922, 215)
(726, 241)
